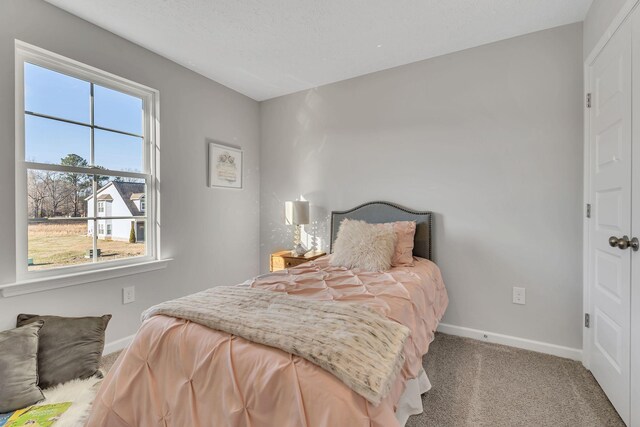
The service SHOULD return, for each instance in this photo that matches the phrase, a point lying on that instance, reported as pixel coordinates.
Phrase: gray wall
(489, 138)
(211, 233)
(598, 19)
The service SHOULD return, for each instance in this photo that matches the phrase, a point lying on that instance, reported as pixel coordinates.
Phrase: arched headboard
(379, 212)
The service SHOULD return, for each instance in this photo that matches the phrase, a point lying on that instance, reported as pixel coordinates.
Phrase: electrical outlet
(128, 295)
(519, 295)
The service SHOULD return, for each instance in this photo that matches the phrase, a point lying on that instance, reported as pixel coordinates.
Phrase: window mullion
(82, 170)
(119, 217)
(94, 189)
(92, 154)
(94, 182)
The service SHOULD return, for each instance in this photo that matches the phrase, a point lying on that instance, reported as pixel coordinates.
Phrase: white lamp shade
(296, 212)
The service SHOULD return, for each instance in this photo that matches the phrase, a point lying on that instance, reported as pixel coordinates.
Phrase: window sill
(49, 283)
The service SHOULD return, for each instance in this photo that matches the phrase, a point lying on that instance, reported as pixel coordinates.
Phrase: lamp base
(299, 250)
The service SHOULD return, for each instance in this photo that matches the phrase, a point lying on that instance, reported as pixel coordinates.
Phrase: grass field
(63, 244)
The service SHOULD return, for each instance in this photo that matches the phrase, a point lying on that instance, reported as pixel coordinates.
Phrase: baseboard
(526, 344)
(117, 345)
(541, 347)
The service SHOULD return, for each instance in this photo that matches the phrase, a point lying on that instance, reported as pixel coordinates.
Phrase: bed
(178, 373)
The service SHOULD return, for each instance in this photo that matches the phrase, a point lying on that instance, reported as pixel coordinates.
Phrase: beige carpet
(482, 384)
(477, 383)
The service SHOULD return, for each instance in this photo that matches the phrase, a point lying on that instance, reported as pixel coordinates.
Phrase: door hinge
(588, 100)
(588, 210)
(587, 321)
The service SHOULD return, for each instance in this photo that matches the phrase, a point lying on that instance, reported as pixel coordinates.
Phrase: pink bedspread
(179, 373)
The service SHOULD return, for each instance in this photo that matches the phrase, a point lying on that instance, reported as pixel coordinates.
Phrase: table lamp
(297, 213)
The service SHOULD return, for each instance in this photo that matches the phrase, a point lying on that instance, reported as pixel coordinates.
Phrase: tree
(132, 234)
(79, 183)
(36, 192)
(57, 191)
(125, 179)
(101, 179)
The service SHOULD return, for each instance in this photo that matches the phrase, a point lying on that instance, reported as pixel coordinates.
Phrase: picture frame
(225, 166)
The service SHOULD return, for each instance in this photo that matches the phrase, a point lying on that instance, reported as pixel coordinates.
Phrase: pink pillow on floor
(405, 233)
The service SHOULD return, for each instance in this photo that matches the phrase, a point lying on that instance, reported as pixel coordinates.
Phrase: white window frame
(100, 207)
(84, 273)
(109, 230)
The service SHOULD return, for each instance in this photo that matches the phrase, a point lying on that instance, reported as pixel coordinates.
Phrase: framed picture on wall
(225, 166)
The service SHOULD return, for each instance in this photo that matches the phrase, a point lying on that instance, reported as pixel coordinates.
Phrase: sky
(58, 95)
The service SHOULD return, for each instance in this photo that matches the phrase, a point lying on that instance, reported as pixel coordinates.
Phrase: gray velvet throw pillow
(19, 367)
(69, 347)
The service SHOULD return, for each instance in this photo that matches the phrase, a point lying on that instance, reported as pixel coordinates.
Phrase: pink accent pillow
(405, 232)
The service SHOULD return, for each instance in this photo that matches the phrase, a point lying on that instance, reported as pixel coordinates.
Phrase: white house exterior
(119, 199)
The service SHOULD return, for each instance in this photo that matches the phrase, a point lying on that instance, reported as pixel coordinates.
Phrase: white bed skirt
(410, 402)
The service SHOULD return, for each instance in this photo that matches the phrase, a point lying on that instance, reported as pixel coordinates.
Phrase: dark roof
(126, 189)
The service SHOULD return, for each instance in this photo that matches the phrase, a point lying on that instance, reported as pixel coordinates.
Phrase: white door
(610, 175)
(635, 224)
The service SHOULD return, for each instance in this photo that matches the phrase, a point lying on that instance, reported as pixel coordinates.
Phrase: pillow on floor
(69, 347)
(19, 367)
(366, 246)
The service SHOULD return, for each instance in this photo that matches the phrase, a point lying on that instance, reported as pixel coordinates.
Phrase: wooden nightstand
(284, 259)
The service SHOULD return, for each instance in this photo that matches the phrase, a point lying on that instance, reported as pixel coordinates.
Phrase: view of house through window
(87, 171)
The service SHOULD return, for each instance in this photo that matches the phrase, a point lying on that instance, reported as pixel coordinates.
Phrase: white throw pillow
(366, 246)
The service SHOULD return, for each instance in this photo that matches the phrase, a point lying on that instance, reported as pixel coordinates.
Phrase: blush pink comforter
(179, 373)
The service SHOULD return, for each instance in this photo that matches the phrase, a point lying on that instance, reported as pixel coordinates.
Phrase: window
(83, 137)
(142, 204)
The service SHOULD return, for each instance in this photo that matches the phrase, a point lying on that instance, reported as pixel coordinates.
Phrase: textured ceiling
(270, 48)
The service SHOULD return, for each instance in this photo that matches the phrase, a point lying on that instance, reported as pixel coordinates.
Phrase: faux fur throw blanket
(356, 344)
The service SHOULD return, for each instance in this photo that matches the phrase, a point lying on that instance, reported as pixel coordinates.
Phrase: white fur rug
(81, 393)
